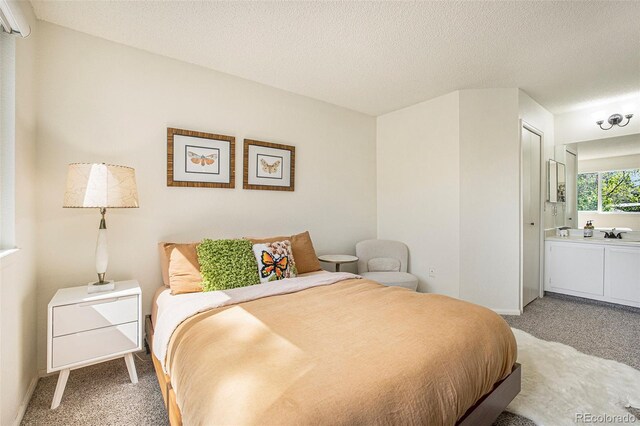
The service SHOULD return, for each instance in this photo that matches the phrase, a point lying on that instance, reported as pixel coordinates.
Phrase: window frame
(599, 173)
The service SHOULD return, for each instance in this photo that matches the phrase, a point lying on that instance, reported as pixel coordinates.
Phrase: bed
(330, 349)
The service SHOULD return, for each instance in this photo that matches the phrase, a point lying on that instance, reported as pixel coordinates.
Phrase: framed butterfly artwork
(269, 166)
(197, 159)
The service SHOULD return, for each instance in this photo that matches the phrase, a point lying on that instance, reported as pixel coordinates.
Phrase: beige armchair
(386, 262)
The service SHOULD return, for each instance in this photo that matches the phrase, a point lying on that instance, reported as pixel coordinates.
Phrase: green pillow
(226, 264)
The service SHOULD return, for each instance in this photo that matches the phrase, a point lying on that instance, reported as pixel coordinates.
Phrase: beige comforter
(354, 352)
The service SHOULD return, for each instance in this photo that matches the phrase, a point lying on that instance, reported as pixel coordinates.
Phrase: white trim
(605, 213)
(574, 212)
(541, 217)
(520, 218)
(25, 401)
(7, 252)
(599, 191)
(42, 372)
(7, 141)
(507, 311)
(608, 170)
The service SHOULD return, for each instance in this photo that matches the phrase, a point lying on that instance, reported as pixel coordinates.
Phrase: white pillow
(383, 264)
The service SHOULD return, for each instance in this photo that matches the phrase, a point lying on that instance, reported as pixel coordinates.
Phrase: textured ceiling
(610, 147)
(376, 57)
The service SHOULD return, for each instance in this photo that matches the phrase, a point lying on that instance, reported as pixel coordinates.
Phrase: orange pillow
(164, 264)
(182, 267)
(303, 251)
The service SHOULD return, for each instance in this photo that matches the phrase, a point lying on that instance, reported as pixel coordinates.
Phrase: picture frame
(268, 166)
(200, 160)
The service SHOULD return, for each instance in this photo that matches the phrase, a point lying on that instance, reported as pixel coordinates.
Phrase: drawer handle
(101, 301)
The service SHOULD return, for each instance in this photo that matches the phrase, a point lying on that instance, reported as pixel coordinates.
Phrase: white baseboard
(43, 373)
(507, 311)
(25, 401)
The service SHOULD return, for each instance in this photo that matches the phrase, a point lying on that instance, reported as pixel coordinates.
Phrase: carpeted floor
(102, 394)
(594, 328)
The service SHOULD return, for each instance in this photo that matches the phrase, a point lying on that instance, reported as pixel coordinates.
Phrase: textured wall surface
(377, 57)
(99, 101)
(419, 189)
(18, 286)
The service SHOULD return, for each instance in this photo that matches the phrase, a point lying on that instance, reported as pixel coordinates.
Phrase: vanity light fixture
(615, 120)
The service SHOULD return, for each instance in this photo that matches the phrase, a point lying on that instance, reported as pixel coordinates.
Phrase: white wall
(18, 293)
(418, 188)
(610, 220)
(449, 186)
(101, 101)
(608, 163)
(490, 198)
(537, 116)
(580, 125)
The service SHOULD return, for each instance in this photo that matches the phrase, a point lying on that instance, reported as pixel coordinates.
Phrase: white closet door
(531, 192)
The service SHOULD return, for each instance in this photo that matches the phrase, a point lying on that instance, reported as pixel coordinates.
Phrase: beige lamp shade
(100, 185)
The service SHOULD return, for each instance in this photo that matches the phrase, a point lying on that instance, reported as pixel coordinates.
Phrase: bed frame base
(484, 412)
(489, 407)
(168, 394)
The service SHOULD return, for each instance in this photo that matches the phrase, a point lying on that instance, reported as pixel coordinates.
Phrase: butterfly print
(273, 264)
(270, 168)
(203, 160)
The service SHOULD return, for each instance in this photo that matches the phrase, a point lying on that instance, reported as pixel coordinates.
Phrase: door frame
(573, 152)
(543, 193)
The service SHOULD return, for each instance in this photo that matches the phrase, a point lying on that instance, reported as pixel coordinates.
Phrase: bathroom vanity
(594, 268)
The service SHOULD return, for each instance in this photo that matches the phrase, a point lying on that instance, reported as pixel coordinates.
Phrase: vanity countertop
(633, 242)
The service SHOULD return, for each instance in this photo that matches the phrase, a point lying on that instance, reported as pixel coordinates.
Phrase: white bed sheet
(163, 298)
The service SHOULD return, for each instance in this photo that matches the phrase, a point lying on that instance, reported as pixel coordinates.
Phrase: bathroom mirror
(557, 178)
(552, 179)
(561, 177)
(591, 168)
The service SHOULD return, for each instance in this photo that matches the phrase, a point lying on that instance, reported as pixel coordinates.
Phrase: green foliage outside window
(587, 192)
(620, 191)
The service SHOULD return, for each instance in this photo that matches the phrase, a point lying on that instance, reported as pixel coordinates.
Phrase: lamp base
(100, 287)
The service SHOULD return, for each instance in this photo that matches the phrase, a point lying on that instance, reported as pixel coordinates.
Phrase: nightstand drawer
(84, 316)
(88, 345)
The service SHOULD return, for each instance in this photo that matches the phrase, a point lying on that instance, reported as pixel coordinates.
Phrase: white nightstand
(85, 329)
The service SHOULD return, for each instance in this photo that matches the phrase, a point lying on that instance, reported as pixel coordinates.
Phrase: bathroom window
(615, 191)
(587, 192)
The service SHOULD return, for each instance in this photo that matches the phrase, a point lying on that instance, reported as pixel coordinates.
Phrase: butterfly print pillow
(275, 261)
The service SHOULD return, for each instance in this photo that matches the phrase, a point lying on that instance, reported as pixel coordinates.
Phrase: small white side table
(85, 329)
(337, 259)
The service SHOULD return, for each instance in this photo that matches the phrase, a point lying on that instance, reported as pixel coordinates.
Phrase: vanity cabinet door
(622, 278)
(575, 268)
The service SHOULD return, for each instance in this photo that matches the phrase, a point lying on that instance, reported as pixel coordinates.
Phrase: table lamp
(101, 186)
